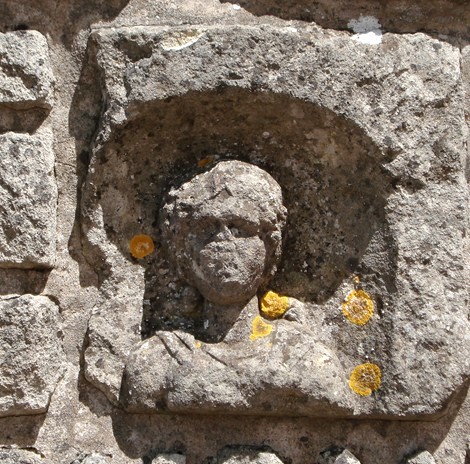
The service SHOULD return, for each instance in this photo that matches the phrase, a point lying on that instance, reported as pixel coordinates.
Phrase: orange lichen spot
(260, 328)
(141, 245)
(274, 305)
(358, 307)
(202, 163)
(365, 379)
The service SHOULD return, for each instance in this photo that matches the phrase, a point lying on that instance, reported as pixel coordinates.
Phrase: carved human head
(224, 230)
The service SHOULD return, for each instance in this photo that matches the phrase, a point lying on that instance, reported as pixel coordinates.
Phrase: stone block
(26, 78)
(31, 357)
(28, 200)
(367, 144)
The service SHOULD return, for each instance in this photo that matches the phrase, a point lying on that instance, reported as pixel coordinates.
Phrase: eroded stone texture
(424, 457)
(336, 455)
(346, 457)
(246, 455)
(169, 459)
(19, 457)
(367, 144)
(26, 78)
(28, 200)
(30, 353)
(93, 458)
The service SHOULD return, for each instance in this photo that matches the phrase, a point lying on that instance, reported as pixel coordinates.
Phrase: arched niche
(333, 185)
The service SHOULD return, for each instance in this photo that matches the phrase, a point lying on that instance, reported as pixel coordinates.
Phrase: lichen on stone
(274, 305)
(260, 328)
(141, 246)
(365, 379)
(358, 307)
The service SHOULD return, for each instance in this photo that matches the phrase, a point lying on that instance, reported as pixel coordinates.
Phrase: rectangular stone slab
(26, 79)
(28, 200)
(405, 97)
(31, 356)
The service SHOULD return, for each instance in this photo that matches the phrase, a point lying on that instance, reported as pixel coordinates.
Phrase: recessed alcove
(329, 170)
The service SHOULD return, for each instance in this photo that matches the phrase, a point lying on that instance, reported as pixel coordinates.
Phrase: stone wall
(234, 233)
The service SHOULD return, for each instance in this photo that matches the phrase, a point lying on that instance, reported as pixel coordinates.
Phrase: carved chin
(229, 272)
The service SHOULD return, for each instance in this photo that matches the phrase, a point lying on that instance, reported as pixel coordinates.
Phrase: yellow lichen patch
(198, 344)
(365, 379)
(141, 245)
(274, 305)
(358, 307)
(202, 163)
(260, 328)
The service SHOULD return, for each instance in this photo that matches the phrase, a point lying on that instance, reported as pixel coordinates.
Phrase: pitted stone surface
(26, 78)
(337, 455)
(30, 353)
(370, 164)
(93, 458)
(424, 457)
(19, 457)
(346, 457)
(28, 200)
(366, 144)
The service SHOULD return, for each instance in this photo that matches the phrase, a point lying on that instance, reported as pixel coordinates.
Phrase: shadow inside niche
(20, 120)
(20, 431)
(443, 19)
(21, 281)
(330, 172)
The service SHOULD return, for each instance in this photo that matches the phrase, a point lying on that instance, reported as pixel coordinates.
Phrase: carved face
(224, 230)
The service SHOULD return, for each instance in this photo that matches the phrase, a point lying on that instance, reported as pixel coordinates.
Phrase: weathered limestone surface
(359, 111)
(28, 200)
(424, 457)
(26, 78)
(30, 352)
(93, 458)
(371, 167)
(19, 457)
(346, 457)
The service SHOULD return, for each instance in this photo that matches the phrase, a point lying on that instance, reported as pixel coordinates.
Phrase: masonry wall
(359, 112)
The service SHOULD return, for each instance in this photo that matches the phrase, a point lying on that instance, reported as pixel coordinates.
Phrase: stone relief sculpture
(228, 214)
(223, 229)
(369, 248)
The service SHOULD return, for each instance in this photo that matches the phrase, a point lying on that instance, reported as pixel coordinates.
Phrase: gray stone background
(81, 83)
